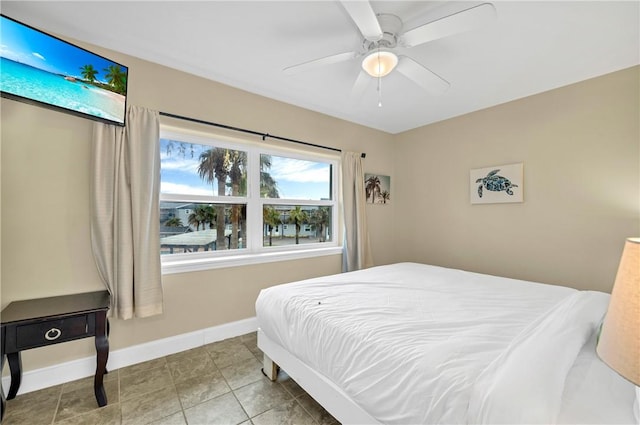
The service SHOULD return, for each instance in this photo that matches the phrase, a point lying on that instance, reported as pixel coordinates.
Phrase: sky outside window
(296, 179)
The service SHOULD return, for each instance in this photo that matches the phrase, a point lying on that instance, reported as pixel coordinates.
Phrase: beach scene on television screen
(40, 67)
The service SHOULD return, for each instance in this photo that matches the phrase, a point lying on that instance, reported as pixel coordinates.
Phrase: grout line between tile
(55, 411)
(175, 388)
(248, 344)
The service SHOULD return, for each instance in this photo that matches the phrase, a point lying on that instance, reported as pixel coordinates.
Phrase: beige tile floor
(219, 383)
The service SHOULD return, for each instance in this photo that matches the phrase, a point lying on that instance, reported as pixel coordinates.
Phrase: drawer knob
(52, 334)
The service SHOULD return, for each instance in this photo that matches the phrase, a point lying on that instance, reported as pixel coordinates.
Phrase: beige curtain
(356, 250)
(125, 212)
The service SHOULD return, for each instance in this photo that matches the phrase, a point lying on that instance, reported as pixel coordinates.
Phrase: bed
(411, 343)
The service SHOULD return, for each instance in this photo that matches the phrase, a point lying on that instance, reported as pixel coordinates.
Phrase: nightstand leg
(102, 354)
(3, 407)
(15, 365)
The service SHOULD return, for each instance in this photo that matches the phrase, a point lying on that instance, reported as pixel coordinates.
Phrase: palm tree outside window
(221, 190)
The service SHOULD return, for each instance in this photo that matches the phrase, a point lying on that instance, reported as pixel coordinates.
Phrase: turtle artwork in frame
(496, 184)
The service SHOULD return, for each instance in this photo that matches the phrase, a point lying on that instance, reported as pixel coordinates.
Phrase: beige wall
(580, 146)
(46, 247)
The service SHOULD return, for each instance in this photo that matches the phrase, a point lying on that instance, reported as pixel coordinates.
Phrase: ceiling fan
(383, 34)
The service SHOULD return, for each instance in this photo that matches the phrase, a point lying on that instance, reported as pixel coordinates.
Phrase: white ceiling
(531, 47)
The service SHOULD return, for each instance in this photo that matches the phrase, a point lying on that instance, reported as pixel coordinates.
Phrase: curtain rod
(255, 133)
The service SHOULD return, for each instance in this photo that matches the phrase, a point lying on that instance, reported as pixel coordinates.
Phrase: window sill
(172, 266)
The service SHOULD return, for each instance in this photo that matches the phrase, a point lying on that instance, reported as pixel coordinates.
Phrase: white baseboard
(77, 369)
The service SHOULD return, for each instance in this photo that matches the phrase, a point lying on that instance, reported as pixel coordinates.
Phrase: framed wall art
(496, 184)
(377, 188)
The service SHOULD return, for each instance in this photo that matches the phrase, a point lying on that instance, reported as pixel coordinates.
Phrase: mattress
(414, 344)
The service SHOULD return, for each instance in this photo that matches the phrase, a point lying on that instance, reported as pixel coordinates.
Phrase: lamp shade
(379, 63)
(619, 342)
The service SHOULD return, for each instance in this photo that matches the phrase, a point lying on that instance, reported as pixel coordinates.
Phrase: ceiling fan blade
(449, 25)
(364, 18)
(360, 85)
(423, 77)
(328, 60)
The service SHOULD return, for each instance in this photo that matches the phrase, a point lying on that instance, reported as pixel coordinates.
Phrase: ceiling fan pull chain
(379, 91)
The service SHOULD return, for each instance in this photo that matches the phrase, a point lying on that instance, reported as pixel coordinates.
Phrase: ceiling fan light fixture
(379, 63)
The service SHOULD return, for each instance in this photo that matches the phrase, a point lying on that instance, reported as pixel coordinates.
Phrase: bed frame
(325, 392)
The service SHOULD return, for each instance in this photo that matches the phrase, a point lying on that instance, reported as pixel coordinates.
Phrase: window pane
(194, 169)
(193, 227)
(295, 224)
(290, 178)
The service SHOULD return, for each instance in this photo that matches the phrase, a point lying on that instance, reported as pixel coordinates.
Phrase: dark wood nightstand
(45, 321)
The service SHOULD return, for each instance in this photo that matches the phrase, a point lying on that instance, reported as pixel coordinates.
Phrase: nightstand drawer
(52, 332)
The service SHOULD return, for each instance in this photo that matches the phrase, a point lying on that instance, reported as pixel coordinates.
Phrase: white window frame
(255, 253)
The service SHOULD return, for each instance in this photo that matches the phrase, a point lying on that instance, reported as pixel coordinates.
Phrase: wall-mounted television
(39, 68)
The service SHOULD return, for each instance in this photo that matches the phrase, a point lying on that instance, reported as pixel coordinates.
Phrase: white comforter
(418, 344)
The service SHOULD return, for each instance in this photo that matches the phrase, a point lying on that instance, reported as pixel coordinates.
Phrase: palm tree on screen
(116, 78)
(89, 73)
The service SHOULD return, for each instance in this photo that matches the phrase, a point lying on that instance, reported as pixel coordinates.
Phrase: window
(223, 200)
